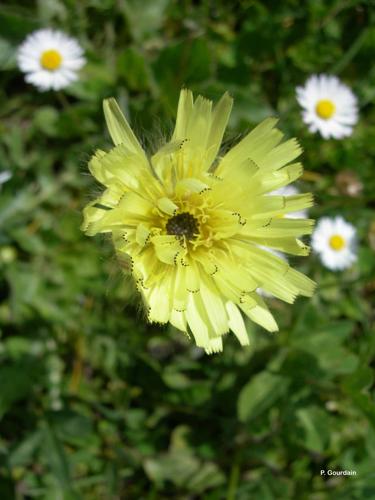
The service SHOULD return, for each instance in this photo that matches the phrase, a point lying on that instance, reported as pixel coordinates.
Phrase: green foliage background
(95, 403)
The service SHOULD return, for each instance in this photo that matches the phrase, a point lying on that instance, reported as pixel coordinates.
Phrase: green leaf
(144, 18)
(184, 470)
(17, 381)
(16, 25)
(259, 394)
(325, 344)
(315, 425)
(134, 69)
(7, 55)
(45, 120)
(356, 387)
(181, 64)
(22, 454)
(72, 427)
(176, 380)
(57, 461)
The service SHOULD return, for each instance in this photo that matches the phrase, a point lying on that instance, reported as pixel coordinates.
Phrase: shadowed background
(95, 403)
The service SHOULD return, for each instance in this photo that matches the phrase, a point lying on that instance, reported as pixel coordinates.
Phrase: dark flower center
(183, 225)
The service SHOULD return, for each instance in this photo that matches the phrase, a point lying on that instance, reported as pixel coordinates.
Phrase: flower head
(334, 240)
(50, 59)
(329, 106)
(192, 221)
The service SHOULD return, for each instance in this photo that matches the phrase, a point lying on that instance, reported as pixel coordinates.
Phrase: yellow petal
(198, 124)
(119, 128)
(181, 293)
(280, 205)
(282, 154)
(190, 185)
(279, 228)
(192, 274)
(178, 320)
(260, 140)
(291, 246)
(234, 274)
(219, 121)
(101, 221)
(159, 300)
(197, 320)
(96, 167)
(167, 206)
(123, 170)
(236, 323)
(142, 234)
(215, 345)
(167, 248)
(258, 313)
(164, 160)
(148, 266)
(214, 305)
(202, 126)
(275, 180)
(184, 109)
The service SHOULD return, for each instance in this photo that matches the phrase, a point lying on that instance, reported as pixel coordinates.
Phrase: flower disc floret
(51, 60)
(325, 109)
(337, 242)
(183, 224)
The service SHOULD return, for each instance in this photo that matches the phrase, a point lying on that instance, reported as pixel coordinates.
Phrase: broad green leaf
(259, 394)
(315, 424)
(17, 381)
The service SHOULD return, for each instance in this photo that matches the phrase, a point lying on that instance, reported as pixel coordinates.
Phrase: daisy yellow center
(183, 224)
(51, 60)
(336, 242)
(325, 109)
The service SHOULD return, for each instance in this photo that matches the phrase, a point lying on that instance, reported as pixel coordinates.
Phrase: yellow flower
(192, 221)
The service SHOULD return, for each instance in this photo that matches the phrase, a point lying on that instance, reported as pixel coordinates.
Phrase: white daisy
(334, 240)
(329, 106)
(291, 191)
(50, 59)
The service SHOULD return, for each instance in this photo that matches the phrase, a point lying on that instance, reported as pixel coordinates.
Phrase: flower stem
(234, 478)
